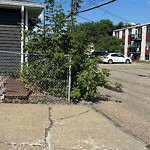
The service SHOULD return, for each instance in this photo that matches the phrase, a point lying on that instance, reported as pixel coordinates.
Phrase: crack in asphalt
(122, 128)
(106, 116)
(15, 145)
(51, 122)
(46, 145)
(73, 115)
(47, 130)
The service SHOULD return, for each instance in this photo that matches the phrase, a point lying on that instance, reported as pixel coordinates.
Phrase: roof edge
(19, 4)
(133, 26)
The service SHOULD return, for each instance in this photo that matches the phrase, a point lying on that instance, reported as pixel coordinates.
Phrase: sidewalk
(22, 127)
(78, 127)
(60, 127)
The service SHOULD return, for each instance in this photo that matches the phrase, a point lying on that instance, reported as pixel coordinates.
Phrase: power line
(114, 15)
(84, 18)
(74, 13)
(96, 7)
(89, 3)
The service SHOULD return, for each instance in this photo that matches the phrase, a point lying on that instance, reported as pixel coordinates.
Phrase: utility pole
(69, 79)
(69, 57)
(72, 14)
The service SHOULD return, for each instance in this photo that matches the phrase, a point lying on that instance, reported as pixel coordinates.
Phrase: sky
(133, 11)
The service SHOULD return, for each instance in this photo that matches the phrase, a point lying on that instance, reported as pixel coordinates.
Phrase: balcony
(136, 37)
(134, 50)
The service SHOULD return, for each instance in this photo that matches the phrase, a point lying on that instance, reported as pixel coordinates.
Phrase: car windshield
(106, 54)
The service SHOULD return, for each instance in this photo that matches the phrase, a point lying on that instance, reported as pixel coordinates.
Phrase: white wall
(126, 42)
(120, 34)
(143, 43)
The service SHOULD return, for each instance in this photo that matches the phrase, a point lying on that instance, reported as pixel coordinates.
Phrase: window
(147, 44)
(130, 31)
(114, 55)
(140, 31)
(129, 45)
(146, 57)
(136, 31)
(123, 33)
(117, 34)
(120, 55)
(148, 28)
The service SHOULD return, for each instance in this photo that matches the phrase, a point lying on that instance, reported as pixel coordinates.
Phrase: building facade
(136, 41)
(14, 20)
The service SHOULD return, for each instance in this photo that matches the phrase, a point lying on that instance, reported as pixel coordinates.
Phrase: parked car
(96, 54)
(116, 58)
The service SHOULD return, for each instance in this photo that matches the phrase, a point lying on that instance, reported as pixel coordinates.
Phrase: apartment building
(136, 41)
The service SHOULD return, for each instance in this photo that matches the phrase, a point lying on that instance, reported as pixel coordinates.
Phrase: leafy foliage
(47, 72)
(101, 35)
(87, 82)
(109, 44)
(49, 45)
(47, 63)
(121, 25)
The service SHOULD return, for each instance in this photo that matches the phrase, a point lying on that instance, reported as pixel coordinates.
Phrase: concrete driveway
(23, 126)
(60, 127)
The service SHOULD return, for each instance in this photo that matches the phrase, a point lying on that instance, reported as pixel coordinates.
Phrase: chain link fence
(47, 72)
(9, 62)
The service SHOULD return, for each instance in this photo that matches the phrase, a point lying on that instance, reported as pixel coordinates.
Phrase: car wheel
(127, 61)
(110, 61)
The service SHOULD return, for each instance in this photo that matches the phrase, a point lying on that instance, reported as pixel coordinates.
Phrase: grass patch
(144, 61)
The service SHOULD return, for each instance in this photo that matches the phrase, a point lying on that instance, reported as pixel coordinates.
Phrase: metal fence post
(69, 80)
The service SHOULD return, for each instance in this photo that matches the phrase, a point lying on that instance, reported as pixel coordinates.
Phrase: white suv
(116, 58)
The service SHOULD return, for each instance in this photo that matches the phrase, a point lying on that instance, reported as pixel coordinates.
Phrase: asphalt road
(130, 109)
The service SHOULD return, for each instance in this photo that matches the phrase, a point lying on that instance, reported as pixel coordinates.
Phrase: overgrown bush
(48, 47)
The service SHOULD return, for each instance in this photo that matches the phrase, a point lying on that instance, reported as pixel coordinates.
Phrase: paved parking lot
(133, 114)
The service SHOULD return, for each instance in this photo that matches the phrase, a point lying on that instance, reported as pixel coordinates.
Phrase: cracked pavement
(78, 127)
(23, 126)
(60, 127)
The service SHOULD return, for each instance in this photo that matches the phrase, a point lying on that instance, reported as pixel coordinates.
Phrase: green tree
(121, 25)
(109, 44)
(100, 34)
(52, 44)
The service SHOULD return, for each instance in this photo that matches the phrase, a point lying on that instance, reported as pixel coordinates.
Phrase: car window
(120, 55)
(106, 54)
(114, 55)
